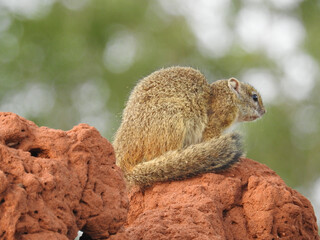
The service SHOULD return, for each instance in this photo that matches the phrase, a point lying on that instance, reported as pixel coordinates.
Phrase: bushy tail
(211, 156)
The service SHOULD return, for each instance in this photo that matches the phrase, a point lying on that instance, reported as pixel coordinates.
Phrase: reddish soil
(53, 183)
(249, 201)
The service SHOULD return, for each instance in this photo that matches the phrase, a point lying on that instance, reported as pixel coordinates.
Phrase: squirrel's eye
(255, 97)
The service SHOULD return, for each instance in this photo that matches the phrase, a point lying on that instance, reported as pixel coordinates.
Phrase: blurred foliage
(67, 66)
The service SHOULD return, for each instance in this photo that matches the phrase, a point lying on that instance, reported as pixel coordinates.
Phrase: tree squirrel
(172, 126)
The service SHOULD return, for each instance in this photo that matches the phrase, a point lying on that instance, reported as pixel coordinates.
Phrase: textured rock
(247, 202)
(53, 183)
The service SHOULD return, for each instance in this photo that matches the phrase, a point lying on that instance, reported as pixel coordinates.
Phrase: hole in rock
(38, 152)
(2, 234)
(279, 234)
(85, 237)
(12, 143)
(2, 201)
(224, 213)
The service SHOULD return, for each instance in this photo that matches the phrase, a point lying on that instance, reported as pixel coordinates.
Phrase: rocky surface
(53, 183)
(247, 202)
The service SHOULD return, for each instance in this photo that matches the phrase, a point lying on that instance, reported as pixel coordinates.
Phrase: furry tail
(211, 156)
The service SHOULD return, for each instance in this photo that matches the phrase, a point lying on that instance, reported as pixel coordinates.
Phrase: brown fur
(172, 127)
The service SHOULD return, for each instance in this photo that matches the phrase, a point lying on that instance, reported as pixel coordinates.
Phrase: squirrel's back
(167, 110)
(173, 125)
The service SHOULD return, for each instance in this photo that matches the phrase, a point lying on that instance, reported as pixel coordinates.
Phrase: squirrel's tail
(211, 156)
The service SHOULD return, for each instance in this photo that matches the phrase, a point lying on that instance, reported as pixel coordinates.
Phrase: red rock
(54, 183)
(248, 201)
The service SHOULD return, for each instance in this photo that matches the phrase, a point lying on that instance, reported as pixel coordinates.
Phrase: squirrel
(173, 126)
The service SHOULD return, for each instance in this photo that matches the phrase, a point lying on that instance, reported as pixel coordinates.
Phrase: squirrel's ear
(234, 85)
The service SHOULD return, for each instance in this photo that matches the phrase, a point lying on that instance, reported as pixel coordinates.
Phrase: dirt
(54, 183)
(249, 201)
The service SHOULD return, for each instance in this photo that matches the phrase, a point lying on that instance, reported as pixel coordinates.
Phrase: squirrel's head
(249, 100)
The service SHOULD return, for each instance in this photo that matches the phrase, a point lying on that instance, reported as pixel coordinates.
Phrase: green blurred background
(75, 61)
